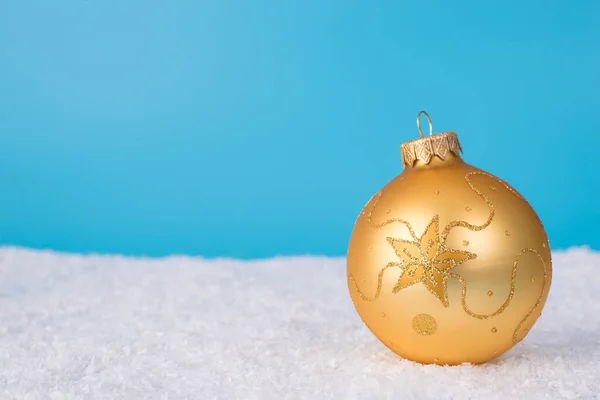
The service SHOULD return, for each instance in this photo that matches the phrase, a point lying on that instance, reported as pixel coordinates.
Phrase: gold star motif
(427, 260)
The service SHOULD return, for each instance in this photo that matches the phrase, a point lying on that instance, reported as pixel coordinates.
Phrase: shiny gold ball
(447, 263)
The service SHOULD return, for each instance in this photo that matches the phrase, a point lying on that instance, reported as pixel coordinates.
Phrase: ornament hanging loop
(419, 123)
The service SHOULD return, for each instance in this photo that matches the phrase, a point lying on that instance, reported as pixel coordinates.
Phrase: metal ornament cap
(427, 147)
(424, 149)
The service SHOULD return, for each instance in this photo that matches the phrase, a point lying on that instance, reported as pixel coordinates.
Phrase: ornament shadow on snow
(448, 305)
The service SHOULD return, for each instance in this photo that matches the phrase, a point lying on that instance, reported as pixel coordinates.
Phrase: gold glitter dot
(382, 314)
(389, 210)
(362, 280)
(370, 248)
(495, 352)
(507, 233)
(437, 192)
(544, 245)
(532, 280)
(436, 360)
(465, 243)
(493, 188)
(424, 324)
(490, 293)
(467, 208)
(494, 330)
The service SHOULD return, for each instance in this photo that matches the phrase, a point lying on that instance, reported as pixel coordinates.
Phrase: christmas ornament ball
(447, 263)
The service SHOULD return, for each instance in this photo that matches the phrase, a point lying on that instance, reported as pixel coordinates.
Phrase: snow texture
(111, 327)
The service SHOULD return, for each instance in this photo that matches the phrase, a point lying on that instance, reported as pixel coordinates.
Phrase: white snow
(111, 327)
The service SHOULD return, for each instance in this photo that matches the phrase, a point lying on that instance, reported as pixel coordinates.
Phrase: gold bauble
(447, 263)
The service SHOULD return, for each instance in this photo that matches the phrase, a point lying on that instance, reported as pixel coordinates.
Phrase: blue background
(250, 129)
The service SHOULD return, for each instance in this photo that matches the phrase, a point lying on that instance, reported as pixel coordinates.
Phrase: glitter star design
(427, 260)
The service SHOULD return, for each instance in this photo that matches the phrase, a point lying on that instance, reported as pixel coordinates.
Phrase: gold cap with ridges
(427, 147)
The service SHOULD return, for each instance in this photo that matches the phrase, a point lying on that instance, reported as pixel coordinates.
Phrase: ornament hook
(419, 123)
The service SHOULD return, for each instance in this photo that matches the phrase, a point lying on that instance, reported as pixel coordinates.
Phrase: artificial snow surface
(91, 327)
